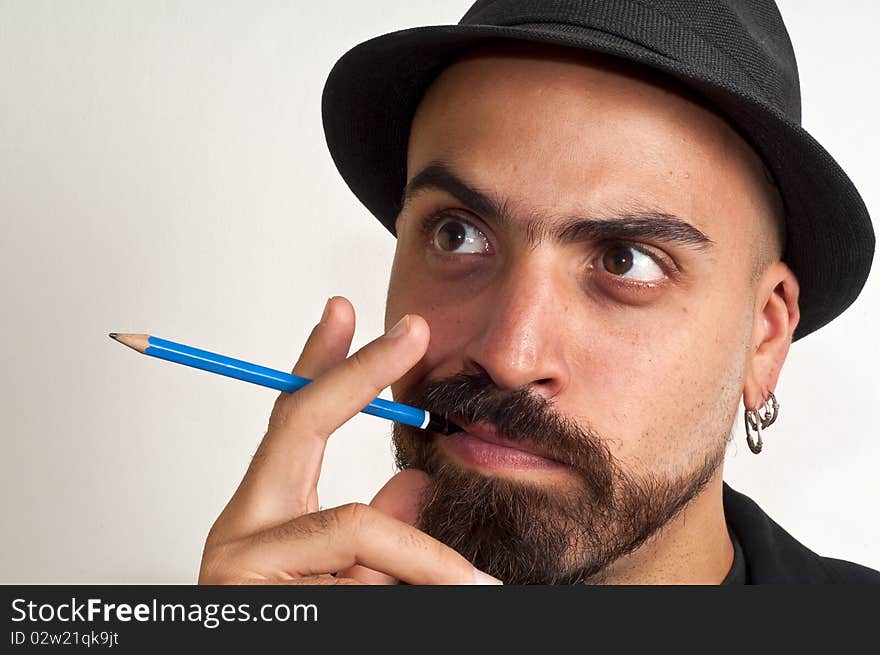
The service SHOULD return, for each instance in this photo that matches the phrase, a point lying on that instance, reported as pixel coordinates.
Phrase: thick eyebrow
(648, 224)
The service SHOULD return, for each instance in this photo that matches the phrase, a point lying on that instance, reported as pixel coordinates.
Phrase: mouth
(480, 446)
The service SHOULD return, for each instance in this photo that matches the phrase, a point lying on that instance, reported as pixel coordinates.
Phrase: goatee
(528, 533)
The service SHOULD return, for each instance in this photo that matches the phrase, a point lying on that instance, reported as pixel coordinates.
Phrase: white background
(163, 169)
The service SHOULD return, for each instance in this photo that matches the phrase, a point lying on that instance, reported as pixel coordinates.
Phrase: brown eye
(460, 237)
(631, 263)
(617, 260)
(451, 235)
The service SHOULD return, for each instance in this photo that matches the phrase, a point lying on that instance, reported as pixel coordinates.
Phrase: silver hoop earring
(755, 422)
(771, 411)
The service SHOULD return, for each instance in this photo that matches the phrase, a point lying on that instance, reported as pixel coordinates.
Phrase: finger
(329, 340)
(335, 539)
(333, 398)
(285, 470)
(327, 345)
(400, 498)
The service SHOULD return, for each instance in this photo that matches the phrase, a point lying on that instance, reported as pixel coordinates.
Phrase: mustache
(522, 416)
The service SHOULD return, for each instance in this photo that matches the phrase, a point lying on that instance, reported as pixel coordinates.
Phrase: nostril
(475, 368)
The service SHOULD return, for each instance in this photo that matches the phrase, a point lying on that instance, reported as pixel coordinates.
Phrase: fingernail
(399, 329)
(485, 578)
(326, 311)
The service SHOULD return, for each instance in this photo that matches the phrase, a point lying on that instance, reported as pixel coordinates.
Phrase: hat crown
(744, 40)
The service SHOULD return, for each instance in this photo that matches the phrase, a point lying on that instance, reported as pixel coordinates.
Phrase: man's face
(602, 321)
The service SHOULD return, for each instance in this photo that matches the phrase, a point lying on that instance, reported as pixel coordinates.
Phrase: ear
(776, 316)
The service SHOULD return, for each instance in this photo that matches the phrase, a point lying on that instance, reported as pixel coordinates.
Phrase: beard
(528, 533)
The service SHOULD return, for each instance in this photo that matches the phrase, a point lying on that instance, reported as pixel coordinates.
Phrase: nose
(523, 327)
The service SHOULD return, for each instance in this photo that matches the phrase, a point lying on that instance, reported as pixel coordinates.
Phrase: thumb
(401, 497)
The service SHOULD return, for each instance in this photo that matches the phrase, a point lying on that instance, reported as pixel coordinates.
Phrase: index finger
(344, 536)
(287, 466)
(400, 498)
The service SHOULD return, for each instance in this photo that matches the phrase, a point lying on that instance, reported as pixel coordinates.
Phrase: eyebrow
(651, 224)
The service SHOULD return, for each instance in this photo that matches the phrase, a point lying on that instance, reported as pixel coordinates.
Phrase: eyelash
(430, 224)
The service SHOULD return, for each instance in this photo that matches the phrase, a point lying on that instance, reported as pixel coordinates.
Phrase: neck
(692, 548)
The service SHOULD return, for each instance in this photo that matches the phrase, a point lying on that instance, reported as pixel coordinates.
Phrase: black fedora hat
(735, 53)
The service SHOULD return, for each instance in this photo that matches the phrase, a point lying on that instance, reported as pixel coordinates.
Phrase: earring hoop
(771, 411)
(753, 423)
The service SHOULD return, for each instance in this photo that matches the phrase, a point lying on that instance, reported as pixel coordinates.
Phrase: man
(610, 228)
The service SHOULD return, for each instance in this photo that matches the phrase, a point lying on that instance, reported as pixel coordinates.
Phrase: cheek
(660, 395)
(451, 312)
(625, 381)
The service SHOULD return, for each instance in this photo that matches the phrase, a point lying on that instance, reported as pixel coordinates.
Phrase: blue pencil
(268, 377)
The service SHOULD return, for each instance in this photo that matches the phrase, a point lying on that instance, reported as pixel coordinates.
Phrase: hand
(271, 531)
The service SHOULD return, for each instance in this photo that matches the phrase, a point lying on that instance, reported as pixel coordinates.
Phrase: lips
(480, 444)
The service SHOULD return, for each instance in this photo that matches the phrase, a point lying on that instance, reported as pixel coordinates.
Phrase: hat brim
(372, 92)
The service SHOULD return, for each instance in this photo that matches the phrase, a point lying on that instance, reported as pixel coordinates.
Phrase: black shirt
(764, 553)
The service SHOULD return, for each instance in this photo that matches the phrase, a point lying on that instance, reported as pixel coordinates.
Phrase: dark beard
(525, 533)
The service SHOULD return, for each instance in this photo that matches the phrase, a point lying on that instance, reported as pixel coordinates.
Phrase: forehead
(552, 132)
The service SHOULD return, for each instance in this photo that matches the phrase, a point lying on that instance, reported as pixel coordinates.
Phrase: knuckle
(366, 368)
(353, 515)
(222, 531)
(213, 539)
(412, 540)
(367, 365)
(285, 407)
(279, 414)
(359, 362)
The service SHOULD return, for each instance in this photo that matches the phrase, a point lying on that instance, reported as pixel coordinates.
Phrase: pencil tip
(452, 428)
(113, 335)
